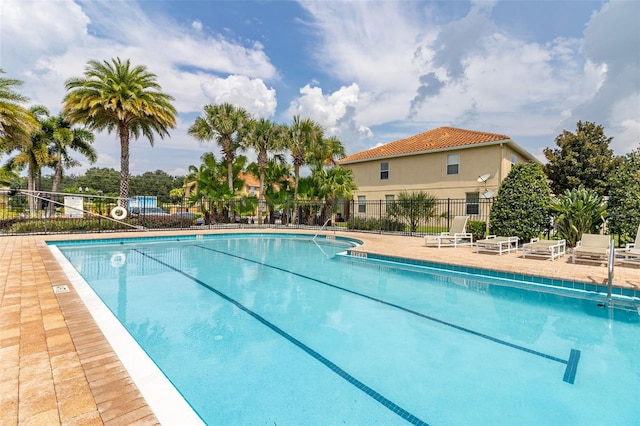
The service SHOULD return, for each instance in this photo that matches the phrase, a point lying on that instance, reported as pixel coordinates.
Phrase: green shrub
(412, 207)
(384, 224)
(578, 211)
(623, 206)
(63, 224)
(522, 206)
(478, 228)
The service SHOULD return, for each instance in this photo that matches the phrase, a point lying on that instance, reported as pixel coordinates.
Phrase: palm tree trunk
(261, 197)
(31, 189)
(294, 216)
(57, 177)
(124, 165)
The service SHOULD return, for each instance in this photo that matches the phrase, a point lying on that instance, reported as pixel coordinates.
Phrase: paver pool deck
(58, 368)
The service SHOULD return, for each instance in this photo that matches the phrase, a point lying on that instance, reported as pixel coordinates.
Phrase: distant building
(446, 162)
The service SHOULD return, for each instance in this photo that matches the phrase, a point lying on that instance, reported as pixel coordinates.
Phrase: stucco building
(447, 162)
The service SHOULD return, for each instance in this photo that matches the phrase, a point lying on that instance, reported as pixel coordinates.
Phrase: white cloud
(472, 70)
(611, 44)
(336, 112)
(251, 94)
(44, 43)
(55, 47)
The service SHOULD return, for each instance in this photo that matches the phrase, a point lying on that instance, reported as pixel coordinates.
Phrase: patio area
(58, 368)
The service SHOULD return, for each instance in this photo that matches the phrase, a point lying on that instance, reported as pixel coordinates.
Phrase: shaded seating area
(497, 244)
(547, 249)
(592, 248)
(630, 254)
(457, 235)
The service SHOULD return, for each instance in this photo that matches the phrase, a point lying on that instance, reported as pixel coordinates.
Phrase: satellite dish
(488, 194)
(484, 177)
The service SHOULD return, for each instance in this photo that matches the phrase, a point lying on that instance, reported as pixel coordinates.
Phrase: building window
(362, 204)
(252, 190)
(514, 159)
(473, 202)
(384, 171)
(453, 164)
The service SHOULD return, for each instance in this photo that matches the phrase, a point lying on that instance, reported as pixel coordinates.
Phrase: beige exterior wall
(428, 172)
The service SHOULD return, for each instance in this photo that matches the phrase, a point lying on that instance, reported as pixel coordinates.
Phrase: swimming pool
(263, 329)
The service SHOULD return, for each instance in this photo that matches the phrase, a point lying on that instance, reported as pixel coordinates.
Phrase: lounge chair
(592, 248)
(456, 236)
(544, 248)
(496, 244)
(631, 253)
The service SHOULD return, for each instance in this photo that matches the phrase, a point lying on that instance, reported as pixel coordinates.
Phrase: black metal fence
(67, 213)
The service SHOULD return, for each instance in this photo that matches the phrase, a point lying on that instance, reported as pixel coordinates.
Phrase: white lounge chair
(592, 248)
(497, 244)
(631, 253)
(457, 235)
(544, 248)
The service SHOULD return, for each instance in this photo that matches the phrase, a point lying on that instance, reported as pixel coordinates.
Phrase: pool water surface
(257, 329)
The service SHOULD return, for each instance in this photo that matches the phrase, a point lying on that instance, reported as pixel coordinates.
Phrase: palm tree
(304, 135)
(8, 177)
(115, 96)
(208, 184)
(62, 138)
(16, 122)
(277, 176)
(333, 183)
(225, 123)
(32, 154)
(263, 136)
(211, 189)
(326, 152)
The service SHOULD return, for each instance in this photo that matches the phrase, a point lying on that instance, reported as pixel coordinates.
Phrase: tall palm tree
(264, 137)
(225, 123)
(303, 136)
(32, 154)
(61, 139)
(326, 152)
(277, 176)
(116, 96)
(333, 183)
(17, 123)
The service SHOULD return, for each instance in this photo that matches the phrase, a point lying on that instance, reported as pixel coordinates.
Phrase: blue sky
(370, 72)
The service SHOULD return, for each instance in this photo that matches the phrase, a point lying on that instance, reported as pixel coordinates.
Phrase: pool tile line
(534, 279)
(572, 366)
(402, 308)
(387, 403)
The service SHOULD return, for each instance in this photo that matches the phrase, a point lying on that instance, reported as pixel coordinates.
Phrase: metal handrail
(612, 256)
(318, 233)
(57, 203)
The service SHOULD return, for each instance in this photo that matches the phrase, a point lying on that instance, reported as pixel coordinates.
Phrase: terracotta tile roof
(436, 139)
(249, 179)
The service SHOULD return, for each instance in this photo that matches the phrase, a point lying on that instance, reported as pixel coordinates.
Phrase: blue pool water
(262, 329)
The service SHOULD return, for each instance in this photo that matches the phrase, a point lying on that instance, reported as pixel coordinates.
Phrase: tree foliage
(264, 137)
(521, 207)
(578, 211)
(412, 207)
(582, 158)
(623, 210)
(118, 97)
(158, 183)
(225, 123)
(17, 123)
